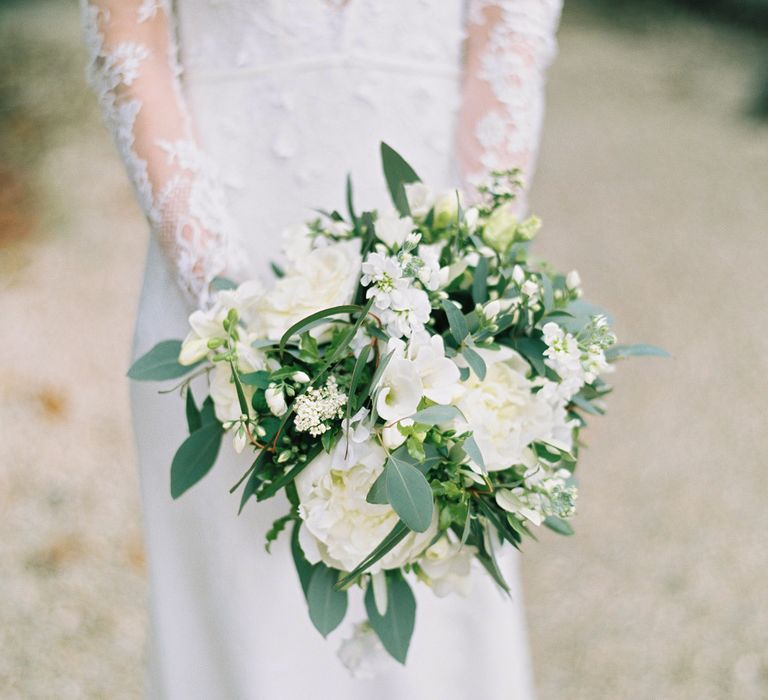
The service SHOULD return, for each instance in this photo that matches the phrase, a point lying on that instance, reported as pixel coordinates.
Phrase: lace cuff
(134, 71)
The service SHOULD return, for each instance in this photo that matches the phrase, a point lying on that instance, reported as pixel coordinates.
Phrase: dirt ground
(652, 183)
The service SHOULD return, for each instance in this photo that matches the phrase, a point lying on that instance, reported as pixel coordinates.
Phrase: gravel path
(652, 183)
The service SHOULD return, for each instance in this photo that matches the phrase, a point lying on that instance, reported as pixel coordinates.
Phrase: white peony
(448, 566)
(340, 527)
(321, 278)
(393, 229)
(503, 412)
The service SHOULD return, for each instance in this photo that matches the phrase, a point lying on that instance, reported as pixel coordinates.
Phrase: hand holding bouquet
(412, 381)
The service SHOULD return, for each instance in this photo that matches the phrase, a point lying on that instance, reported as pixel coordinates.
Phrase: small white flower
(363, 654)
(518, 275)
(431, 275)
(491, 309)
(385, 276)
(276, 400)
(531, 289)
(393, 229)
(300, 377)
(573, 280)
(239, 439)
(399, 390)
(518, 502)
(316, 407)
(420, 199)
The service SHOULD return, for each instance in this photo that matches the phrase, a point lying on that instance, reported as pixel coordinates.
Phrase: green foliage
(327, 604)
(160, 363)
(409, 494)
(397, 174)
(194, 419)
(395, 627)
(194, 459)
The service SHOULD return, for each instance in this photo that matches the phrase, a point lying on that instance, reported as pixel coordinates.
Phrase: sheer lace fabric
(510, 44)
(134, 71)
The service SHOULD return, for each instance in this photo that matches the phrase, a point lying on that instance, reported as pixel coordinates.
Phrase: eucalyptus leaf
(303, 568)
(558, 525)
(473, 451)
(409, 494)
(533, 351)
(395, 628)
(222, 283)
(195, 457)
(160, 363)
(435, 415)
(258, 379)
(475, 361)
(327, 604)
(480, 282)
(456, 321)
(621, 352)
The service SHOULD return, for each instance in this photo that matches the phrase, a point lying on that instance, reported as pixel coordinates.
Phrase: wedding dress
(252, 119)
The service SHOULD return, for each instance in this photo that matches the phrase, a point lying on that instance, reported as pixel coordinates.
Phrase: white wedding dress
(254, 120)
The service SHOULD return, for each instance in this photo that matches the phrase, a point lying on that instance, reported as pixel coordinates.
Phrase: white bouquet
(412, 381)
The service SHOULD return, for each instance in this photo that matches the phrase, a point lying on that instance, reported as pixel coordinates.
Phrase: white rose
(448, 566)
(323, 278)
(503, 412)
(420, 199)
(340, 527)
(392, 229)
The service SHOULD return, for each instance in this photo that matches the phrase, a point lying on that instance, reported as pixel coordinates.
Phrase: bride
(255, 117)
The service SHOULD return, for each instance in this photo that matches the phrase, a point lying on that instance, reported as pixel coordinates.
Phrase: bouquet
(413, 382)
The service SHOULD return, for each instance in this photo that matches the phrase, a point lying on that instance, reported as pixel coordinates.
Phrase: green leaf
(533, 351)
(239, 389)
(258, 379)
(327, 604)
(277, 270)
(380, 369)
(377, 494)
(475, 361)
(473, 451)
(480, 282)
(350, 204)
(194, 459)
(313, 318)
(194, 420)
(456, 321)
(357, 372)
(161, 362)
(587, 406)
(208, 411)
(558, 525)
(277, 527)
(393, 538)
(434, 415)
(303, 568)
(395, 628)
(254, 479)
(409, 494)
(289, 476)
(220, 283)
(621, 352)
(398, 174)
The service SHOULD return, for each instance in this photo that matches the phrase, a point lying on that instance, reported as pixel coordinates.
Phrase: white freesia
(420, 198)
(322, 278)
(339, 526)
(393, 229)
(503, 412)
(448, 567)
(363, 654)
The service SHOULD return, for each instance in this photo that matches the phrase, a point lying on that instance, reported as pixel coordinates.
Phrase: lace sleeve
(133, 68)
(510, 44)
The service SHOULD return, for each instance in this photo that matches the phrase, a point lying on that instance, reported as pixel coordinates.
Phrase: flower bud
(301, 377)
(275, 400)
(446, 209)
(573, 280)
(491, 309)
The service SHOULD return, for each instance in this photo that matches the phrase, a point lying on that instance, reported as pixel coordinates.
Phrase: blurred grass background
(652, 182)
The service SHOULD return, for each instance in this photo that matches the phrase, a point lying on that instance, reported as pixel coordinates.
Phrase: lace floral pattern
(510, 45)
(176, 186)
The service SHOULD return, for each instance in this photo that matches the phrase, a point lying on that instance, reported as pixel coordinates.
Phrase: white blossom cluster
(318, 406)
(576, 363)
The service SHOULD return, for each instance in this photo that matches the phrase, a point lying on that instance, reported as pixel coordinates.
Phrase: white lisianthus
(448, 567)
(502, 410)
(420, 199)
(431, 275)
(275, 398)
(393, 229)
(322, 278)
(339, 526)
(408, 311)
(399, 390)
(363, 654)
